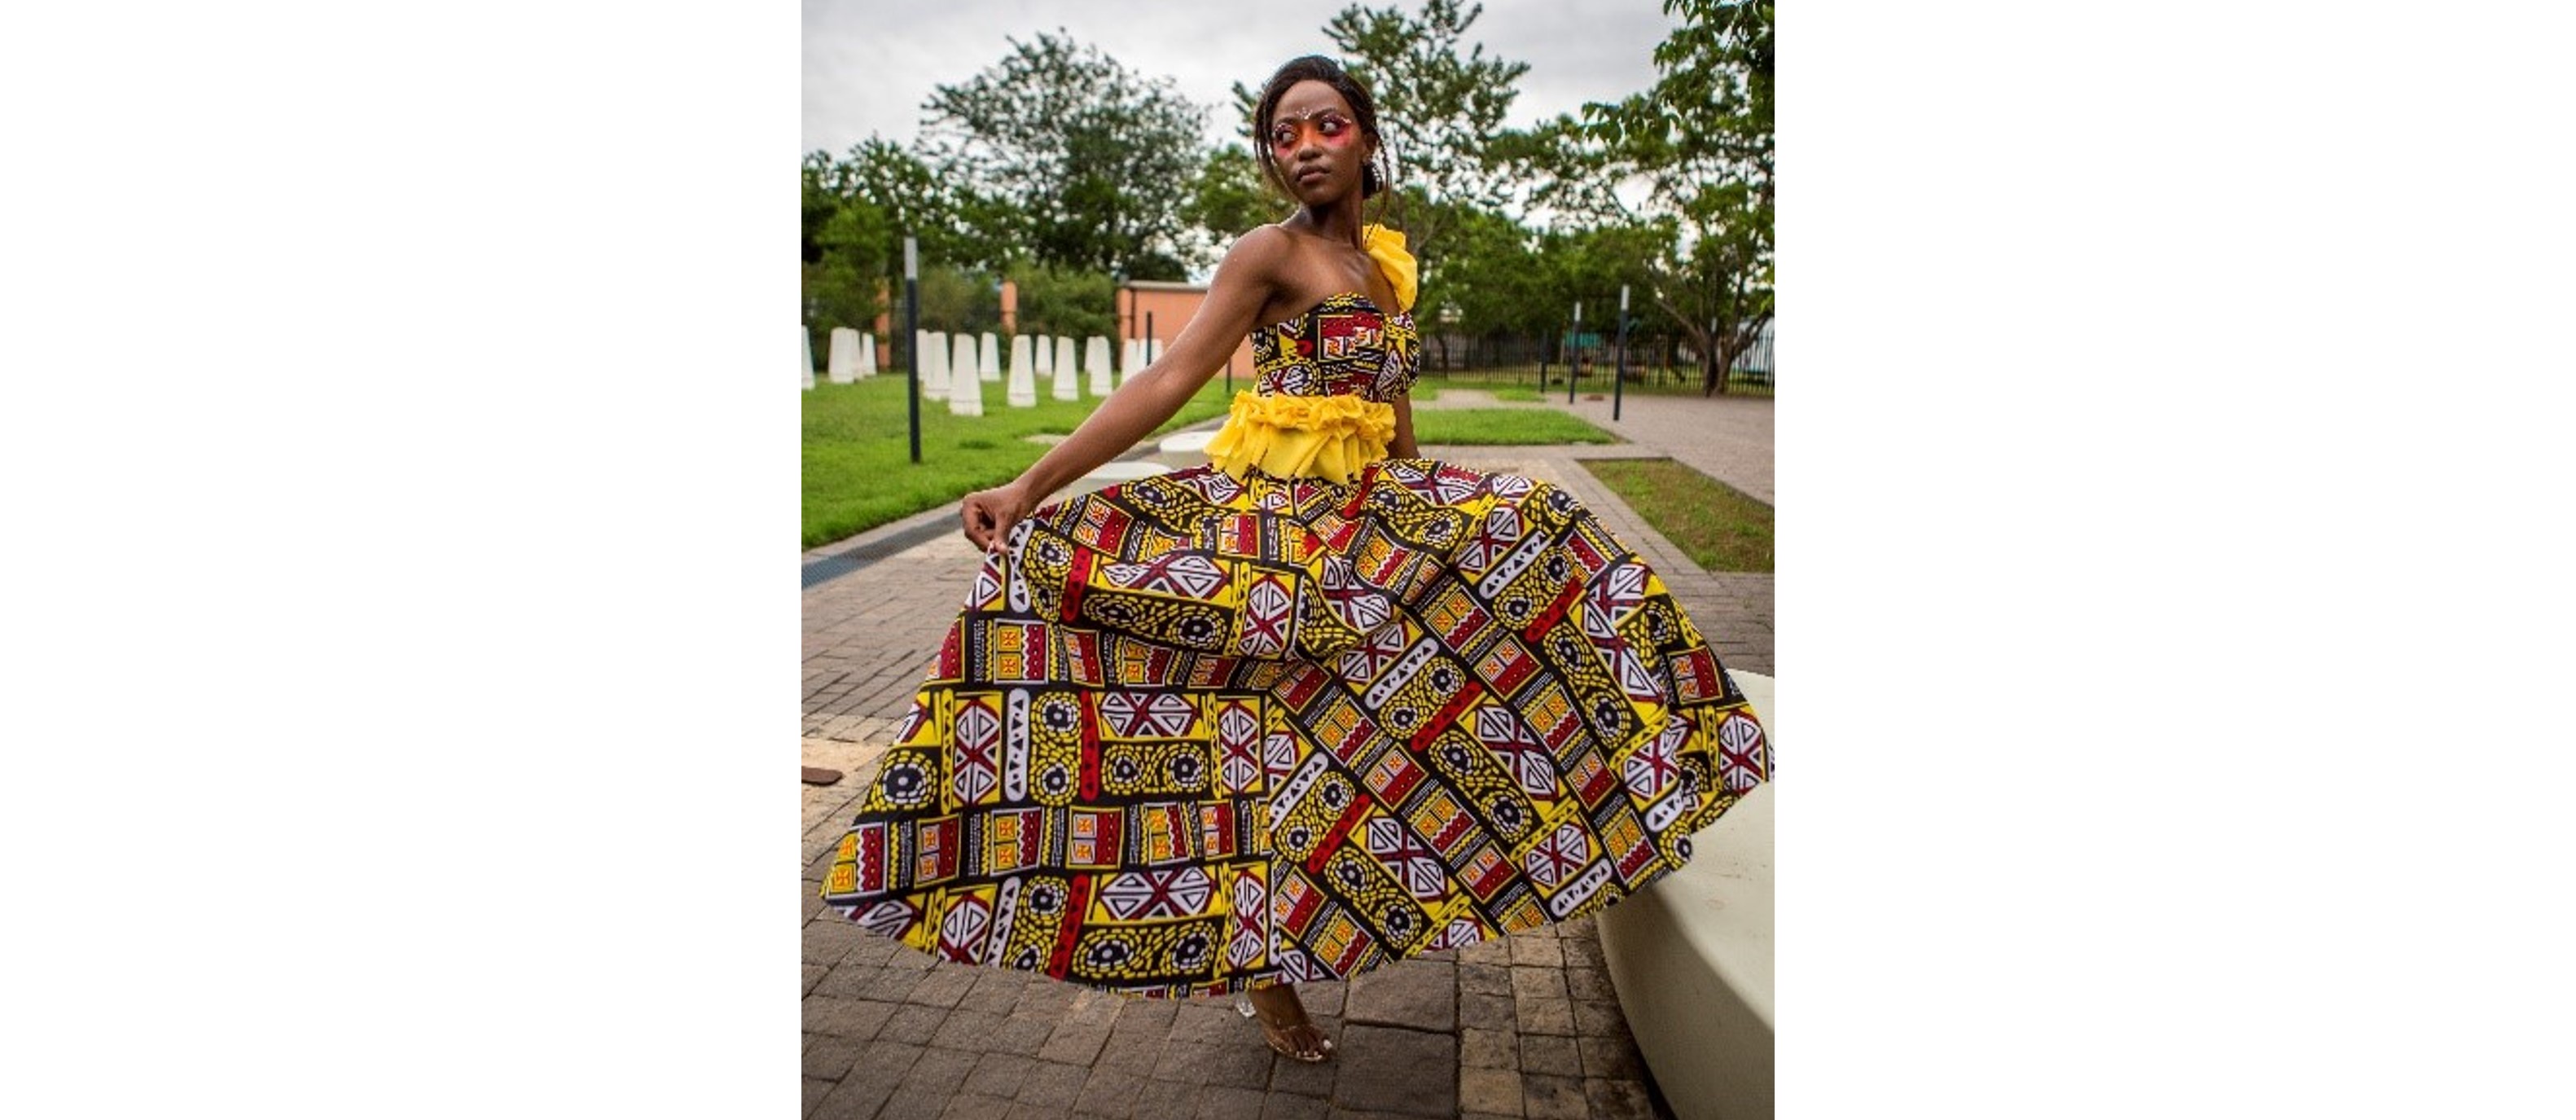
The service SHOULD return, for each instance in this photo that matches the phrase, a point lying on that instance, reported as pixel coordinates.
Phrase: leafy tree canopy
(1092, 161)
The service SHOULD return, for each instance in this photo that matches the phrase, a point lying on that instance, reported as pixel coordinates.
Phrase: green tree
(844, 237)
(1227, 197)
(1068, 302)
(1067, 157)
(1702, 141)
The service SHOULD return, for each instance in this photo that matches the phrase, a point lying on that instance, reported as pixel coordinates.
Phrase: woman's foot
(1285, 1026)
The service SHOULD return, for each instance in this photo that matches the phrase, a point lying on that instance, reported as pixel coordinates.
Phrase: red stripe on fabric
(1079, 901)
(1341, 829)
(1466, 698)
(1074, 581)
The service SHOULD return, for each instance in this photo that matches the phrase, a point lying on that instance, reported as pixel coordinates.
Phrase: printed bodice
(1344, 345)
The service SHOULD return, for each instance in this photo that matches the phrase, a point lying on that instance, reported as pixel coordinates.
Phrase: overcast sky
(869, 64)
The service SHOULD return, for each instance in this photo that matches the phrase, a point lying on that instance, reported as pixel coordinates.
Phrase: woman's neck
(1339, 221)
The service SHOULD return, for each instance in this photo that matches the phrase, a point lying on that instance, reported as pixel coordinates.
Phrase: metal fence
(1655, 362)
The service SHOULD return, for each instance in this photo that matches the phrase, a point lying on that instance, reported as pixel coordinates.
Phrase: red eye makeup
(1333, 130)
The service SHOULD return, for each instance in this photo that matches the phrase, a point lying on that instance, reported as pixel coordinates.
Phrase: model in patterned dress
(1315, 706)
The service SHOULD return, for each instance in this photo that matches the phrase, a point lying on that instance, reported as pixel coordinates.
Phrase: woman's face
(1316, 142)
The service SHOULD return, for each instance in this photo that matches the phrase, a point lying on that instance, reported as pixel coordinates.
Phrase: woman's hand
(990, 514)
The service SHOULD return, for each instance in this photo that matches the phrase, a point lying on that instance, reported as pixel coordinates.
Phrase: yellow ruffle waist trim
(1329, 437)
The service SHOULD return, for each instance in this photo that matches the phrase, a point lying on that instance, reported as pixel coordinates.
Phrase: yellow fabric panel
(1329, 437)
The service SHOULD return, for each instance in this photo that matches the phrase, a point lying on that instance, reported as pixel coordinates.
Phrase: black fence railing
(1655, 363)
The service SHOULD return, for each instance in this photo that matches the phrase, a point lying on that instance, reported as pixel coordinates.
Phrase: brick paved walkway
(1524, 1026)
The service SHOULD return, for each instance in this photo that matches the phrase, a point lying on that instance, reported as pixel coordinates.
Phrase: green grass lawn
(1717, 525)
(859, 472)
(1527, 426)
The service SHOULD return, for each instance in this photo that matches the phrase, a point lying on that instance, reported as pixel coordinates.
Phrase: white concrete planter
(1691, 958)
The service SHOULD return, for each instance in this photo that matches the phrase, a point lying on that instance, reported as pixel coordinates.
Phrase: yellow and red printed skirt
(1208, 732)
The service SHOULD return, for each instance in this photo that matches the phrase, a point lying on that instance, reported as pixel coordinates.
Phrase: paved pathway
(1524, 1026)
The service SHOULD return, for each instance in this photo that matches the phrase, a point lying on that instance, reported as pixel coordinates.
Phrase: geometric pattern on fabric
(1196, 734)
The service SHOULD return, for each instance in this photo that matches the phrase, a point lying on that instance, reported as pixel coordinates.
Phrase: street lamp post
(1619, 371)
(1574, 365)
(912, 341)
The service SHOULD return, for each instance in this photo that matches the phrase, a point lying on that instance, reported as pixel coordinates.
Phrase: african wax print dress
(1295, 713)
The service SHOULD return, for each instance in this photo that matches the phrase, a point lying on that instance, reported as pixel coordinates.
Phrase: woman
(1314, 706)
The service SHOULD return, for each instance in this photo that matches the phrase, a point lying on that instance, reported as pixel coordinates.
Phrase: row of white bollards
(950, 364)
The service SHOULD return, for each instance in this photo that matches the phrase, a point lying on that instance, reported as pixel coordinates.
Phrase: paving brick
(999, 1075)
(912, 1022)
(1290, 1106)
(1617, 1099)
(1611, 1057)
(827, 938)
(1550, 1054)
(1199, 1021)
(1021, 1034)
(870, 1082)
(971, 1106)
(1553, 1098)
(1109, 1093)
(942, 987)
(1136, 1052)
(996, 992)
(912, 1104)
(1305, 1079)
(847, 1018)
(1228, 1102)
(967, 1030)
(1600, 1017)
(1493, 1013)
(1046, 998)
(1422, 995)
(1164, 1100)
(1074, 1042)
(1488, 1049)
(1590, 983)
(939, 1071)
(1484, 979)
(1243, 1063)
(1382, 1069)
(1546, 1015)
(1496, 1091)
(827, 1058)
(1053, 1086)
(1539, 951)
(1538, 983)
(815, 1091)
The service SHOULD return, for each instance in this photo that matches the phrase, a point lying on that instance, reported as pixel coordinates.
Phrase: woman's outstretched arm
(1242, 286)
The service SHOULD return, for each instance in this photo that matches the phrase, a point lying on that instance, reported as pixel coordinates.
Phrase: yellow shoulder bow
(1386, 246)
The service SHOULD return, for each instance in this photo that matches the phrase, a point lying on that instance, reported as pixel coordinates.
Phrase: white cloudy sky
(869, 64)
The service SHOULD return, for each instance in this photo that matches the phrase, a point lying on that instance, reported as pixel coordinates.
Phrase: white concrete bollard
(930, 355)
(842, 360)
(867, 354)
(1021, 358)
(965, 388)
(988, 357)
(805, 338)
(1064, 357)
(1131, 360)
(1022, 391)
(1095, 360)
(1044, 352)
